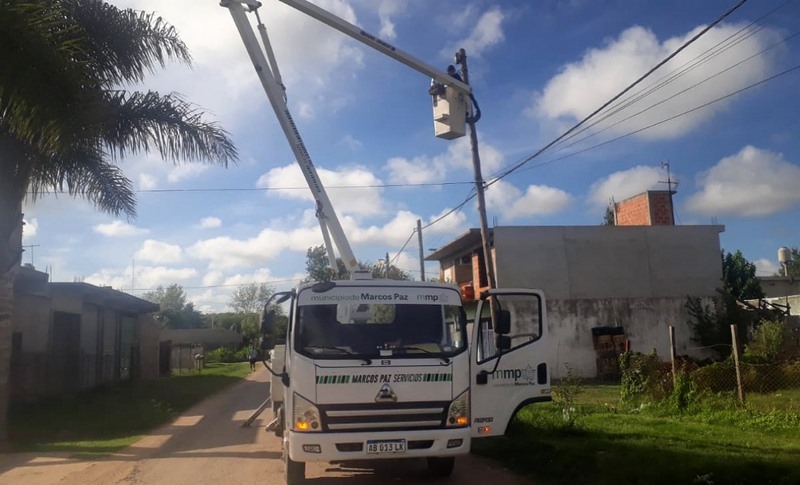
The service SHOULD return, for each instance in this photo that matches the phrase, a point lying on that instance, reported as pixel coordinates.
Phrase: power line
(218, 286)
(624, 91)
(652, 125)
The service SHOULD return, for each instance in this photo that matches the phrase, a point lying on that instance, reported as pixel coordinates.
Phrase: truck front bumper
(353, 446)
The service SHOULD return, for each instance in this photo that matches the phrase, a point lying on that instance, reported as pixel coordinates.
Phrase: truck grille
(383, 416)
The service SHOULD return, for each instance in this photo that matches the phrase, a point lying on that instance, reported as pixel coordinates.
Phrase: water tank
(784, 255)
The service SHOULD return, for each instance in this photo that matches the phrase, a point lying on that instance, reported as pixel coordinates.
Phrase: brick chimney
(651, 208)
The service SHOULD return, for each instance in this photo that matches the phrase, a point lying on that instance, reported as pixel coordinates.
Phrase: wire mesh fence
(766, 366)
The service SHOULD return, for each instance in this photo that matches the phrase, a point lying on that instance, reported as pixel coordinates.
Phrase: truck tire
(441, 466)
(294, 471)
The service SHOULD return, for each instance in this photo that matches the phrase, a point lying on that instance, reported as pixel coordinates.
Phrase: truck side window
(526, 323)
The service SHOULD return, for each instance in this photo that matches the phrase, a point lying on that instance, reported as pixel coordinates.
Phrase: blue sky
(536, 68)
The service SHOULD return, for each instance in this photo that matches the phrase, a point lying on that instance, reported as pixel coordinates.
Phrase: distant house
(635, 277)
(69, 337)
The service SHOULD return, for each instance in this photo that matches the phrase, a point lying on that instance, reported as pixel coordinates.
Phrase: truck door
(509, 359)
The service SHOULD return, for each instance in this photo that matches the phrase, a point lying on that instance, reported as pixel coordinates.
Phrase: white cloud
(186, 171)
(583, 86)
(147, 181)
(223, 253)
(538, 200)
(487, 33)
(119, 229)
(362, 201)
(144, 277)
(624, 184)
(29, 229)
(159, 252)
(766, 267)
(313, 58)
(210, 222)
(458, 158)
(754, 182)
(386, 9)
(352, 143)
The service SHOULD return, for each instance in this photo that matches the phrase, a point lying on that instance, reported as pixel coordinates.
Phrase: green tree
(608, 217)
(739, 277)
(175, 309)
(67, 119)
(794, 264)
(318, 268)
(248, 301)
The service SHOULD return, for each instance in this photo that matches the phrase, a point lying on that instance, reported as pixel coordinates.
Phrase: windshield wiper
(404, 348)
(340, 349)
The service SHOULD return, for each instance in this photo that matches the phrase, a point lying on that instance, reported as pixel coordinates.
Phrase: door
(509, 359)
(65, 354)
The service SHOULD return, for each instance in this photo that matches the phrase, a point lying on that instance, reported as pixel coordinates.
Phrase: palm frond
(84, 172)
(42, 72)
(124, 44)
(141, 122)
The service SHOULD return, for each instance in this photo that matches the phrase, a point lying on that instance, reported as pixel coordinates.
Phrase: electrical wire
(652, 125)
(624, 91)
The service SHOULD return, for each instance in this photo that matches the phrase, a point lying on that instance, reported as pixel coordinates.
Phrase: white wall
(579, 262)
(646, 322)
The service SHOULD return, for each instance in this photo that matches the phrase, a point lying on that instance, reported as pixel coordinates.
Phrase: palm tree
(66, 119)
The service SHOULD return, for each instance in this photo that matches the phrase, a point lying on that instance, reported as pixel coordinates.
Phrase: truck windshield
(364, 330)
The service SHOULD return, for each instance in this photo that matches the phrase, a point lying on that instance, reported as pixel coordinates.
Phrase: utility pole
(387, 266)
(461, 59)
(421, 252)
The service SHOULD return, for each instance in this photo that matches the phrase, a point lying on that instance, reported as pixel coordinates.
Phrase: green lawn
(714, 441)
(108, 420)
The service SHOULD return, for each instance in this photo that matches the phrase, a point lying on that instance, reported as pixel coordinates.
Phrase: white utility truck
(377, 369)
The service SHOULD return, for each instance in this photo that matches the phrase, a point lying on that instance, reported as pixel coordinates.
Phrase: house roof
(460, 245)
(107, 296)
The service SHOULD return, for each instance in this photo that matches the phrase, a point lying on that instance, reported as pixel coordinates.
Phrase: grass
(107, 420)
(713, 441)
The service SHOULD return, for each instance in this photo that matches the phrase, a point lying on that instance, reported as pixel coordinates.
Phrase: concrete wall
(646, 322)
(581, 262)
(780, 286)
(634, 277)
(31, 317)
(149, 331)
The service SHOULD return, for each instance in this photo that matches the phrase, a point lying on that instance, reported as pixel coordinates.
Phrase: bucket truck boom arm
(269, 75)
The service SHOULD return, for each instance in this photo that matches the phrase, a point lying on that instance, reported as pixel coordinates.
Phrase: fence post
(739, 384)
(672, 351)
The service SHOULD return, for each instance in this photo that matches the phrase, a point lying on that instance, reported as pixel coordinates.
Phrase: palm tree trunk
(10, 255)
(6, 300)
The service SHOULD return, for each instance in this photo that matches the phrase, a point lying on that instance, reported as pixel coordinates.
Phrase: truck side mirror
(503, 324)
(267, 321)
(267, 342)
(502, 343)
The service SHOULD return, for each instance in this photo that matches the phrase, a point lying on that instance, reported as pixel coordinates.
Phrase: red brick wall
(653, 208)
(661, 209)
(634, 211)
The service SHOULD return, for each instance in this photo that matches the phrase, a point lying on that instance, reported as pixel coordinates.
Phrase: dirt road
(207, 445)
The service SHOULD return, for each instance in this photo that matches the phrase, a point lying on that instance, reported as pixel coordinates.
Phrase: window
(525, 314)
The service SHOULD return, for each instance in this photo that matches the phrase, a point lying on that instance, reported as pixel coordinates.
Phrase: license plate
(379, 447)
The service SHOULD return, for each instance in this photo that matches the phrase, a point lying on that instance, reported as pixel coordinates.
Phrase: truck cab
(380, 369)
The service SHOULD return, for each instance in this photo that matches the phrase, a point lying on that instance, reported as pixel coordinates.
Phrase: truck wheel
(294, 471)
(441, 466)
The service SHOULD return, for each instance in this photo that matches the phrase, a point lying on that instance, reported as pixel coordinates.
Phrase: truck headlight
(458, 413)
(305, 416)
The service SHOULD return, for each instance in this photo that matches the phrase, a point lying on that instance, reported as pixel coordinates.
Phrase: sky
(723, 114)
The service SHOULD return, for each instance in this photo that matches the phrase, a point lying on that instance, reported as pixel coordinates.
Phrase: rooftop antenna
(670, 183)
(31, 246)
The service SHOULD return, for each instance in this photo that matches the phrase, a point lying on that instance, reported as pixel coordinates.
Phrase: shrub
(226, 355)
(768, 343)
(717, 377)
(641, 377)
